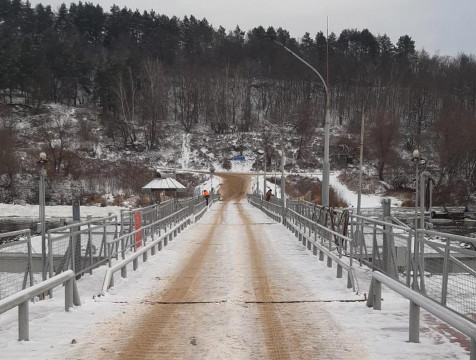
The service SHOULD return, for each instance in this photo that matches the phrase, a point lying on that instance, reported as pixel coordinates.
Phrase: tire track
(149, 339)
(276, 345)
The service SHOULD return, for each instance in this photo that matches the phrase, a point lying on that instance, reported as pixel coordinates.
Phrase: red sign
(137, 226)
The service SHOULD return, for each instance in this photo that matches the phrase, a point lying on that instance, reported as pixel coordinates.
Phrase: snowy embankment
(368, 201)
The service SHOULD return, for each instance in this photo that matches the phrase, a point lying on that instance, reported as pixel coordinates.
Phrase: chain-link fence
(16, 262)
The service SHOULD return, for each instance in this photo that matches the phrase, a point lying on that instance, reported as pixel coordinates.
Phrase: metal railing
(17, 263)
(436, 264)
(315, 237)
(22, 299)
(159, 242)
(418, 300)
(172, 225)
(80, 247)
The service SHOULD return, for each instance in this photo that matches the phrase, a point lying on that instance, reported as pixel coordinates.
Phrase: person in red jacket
(206, 195)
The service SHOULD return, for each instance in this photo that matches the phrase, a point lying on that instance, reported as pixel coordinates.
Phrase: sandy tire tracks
(209, 291)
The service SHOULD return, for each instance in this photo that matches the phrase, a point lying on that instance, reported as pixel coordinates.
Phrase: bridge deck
(234, 286)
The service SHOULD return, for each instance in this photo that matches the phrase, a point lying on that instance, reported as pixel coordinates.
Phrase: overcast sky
(446, 27)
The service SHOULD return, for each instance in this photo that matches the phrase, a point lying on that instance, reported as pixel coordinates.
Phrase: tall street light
(326, 166)
(42, 161)
(265, 158)
(416, 158)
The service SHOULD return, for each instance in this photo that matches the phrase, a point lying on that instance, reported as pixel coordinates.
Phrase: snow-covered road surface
(236, 285)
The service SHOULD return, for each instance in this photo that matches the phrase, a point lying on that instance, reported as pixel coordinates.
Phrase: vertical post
(326, 166)
(415, 242)
(386, 238)
(68, 294)
(377, 295)
(359, 197)
(422, 199)
(42, 219)
(283, 180)
(444, 284)
(265, 165)
(24, 321)
(414, 328)
(275, 180)
(472, 355)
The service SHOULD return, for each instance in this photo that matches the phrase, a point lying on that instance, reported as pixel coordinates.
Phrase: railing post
(377, 294)
(68, 294)
(124, 271)
(90, 248)
(472, 355)
(414, 328)
(24, 321)
(444, 285)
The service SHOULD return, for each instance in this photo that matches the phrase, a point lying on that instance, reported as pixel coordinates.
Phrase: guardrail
(418, 301)
(16, 262)
(176, 222)
(22, 299)
(440, 266)
(309, 233)
(162, 240)
(138, 238)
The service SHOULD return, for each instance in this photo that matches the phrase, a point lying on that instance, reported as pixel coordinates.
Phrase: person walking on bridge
(268, 195)
(206, 195)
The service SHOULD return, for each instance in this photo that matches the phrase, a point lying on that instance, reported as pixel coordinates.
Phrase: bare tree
(126, 91)
(382, 139)
(154, 100)
(186, 91)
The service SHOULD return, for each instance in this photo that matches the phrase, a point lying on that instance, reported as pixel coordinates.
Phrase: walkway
(240, 292)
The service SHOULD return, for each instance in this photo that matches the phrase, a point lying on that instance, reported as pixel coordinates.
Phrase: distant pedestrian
(206, 195)
(268, 195)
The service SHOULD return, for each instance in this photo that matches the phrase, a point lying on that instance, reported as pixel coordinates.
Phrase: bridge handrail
(23, 298)
(108, 278)
(292, 215)
(418, 300)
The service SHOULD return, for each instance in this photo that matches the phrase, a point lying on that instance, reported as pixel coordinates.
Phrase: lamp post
(212, 171)
(416, 158)
(265, 158)
(359, 196)
(326, 165)
(42, 161)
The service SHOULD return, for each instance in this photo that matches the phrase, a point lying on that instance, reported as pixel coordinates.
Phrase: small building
(164, 183)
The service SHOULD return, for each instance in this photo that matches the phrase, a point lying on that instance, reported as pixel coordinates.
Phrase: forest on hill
(141, 70)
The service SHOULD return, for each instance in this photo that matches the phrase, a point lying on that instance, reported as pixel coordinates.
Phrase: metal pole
(42, 219)
(422, 198)
(275, 179)
(326, 165)
(359, 198)
(283, 180)
(415, 243)
(257, 179)
(264, 180)
(416, 195)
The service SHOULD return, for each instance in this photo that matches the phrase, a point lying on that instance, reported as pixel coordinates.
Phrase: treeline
(144, 68)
